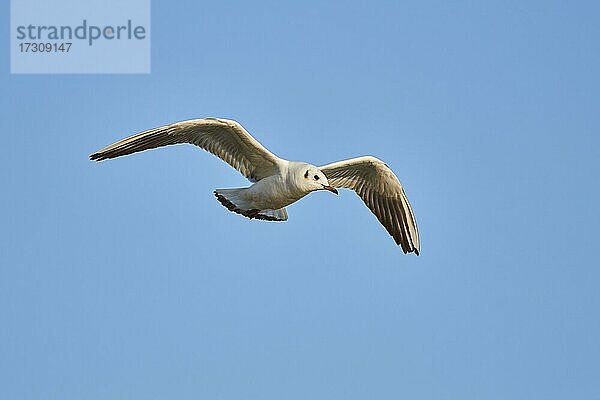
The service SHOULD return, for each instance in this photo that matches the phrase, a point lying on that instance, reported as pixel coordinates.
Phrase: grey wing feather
(382, 192)
(224, 138)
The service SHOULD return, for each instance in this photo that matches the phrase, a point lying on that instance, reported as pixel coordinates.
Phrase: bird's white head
(310, 178)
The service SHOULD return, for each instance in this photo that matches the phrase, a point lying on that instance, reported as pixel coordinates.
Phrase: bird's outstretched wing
(224, 138)
(382, 192)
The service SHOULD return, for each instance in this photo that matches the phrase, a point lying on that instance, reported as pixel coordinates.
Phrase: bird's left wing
(224, 138)
(382, 192)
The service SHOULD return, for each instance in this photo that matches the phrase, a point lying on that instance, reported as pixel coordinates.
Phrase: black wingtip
(96, 157)
(252, 214)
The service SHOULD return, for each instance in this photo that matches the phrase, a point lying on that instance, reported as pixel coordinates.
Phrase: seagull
(277, 182)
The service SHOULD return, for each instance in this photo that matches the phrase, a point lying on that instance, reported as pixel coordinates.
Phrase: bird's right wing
(224, 138)
(382, 192)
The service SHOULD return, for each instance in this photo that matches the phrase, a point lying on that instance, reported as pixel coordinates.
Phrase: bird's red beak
(331, 189)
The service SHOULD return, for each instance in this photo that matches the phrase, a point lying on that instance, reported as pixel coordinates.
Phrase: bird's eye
(316, 177)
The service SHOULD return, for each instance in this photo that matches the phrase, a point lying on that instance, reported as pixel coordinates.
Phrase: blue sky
(127, 279)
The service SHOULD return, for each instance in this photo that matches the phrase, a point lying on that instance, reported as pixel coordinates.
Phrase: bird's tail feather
(275, 215)
(233, 200)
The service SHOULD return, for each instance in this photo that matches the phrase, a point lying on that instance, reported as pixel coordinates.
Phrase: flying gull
(278, 183)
